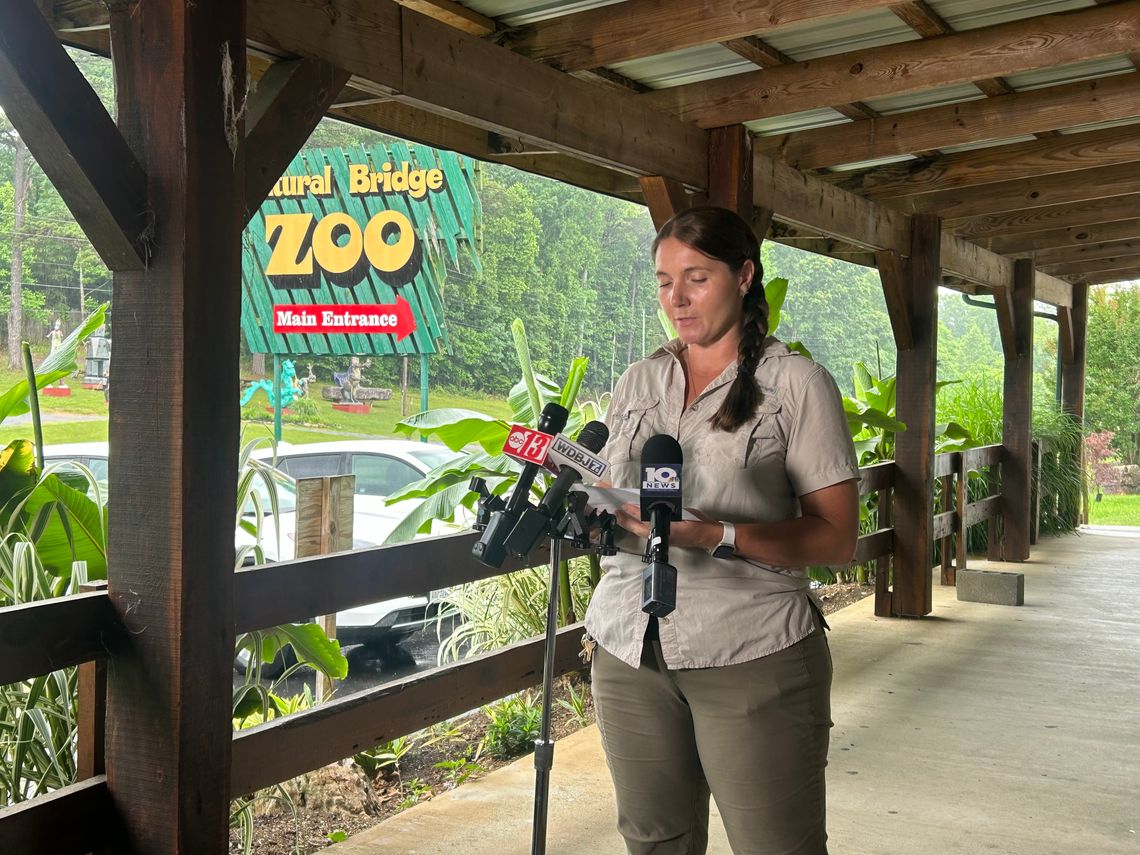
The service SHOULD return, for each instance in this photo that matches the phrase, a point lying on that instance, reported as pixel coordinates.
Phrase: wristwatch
(727, 546)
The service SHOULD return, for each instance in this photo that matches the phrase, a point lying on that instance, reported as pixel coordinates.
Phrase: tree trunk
(20, 181)
(632, 314)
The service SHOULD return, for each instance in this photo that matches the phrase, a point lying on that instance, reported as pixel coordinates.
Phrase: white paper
(611, 498)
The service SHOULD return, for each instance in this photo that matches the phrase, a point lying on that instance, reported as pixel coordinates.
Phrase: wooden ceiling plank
(1085, 102)
(1070, 237)
(906, 67)
(1128, 275)
(1088, 184)
(641, 28)
(1082, 267)
(73, 138)
(1069, 152)
(1093, 252)
(1050, 218)
(290, 100)
(454, 15)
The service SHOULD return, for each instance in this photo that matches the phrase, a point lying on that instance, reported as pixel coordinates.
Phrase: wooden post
(181, 85)
(914, 447)
(1036, 457)
(961, 483)
(91, 716)
(883, 564)
(948, 576)
(1017, 416)
(324, 526)
(730, 170)
(1074, 329)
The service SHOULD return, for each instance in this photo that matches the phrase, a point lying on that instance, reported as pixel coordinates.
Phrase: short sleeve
(820, 451)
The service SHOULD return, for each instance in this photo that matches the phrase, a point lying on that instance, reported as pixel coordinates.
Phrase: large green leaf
(574, 381)
(522, 349)
(459, 471)
(666, 324)
(439, 506)
(456, 428)
(66, 526)
(519, 398)
(775, 292)
(859, 413)
(863, 381)
(60, 363)
(17, 471)
(310, 644)
(800, 348)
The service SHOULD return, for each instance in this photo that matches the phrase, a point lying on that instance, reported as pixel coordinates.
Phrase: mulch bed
(342, 800)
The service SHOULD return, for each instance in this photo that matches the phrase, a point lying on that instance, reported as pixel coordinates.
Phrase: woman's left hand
(702, 533)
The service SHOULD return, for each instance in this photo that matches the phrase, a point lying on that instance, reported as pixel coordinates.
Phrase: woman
(730, 694)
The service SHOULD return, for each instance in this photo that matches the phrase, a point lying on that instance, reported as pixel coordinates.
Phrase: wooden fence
(83, 630)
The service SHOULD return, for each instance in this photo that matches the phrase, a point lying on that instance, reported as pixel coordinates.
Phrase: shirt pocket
(630, 431)
(743, 446)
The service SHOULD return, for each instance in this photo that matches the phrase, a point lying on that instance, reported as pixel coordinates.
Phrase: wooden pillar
(1017, 417)
(181, 85)
(664, 197)
(1073, 333)
(916, 301)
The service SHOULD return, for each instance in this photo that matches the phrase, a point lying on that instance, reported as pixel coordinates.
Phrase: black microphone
(535, 522)
(661, 460)
(490, 548)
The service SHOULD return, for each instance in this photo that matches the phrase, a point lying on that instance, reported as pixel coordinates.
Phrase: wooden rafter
(454, 15)
(1088, 184)
(893, 275)
(1093, 252)
(1124, 261)
(897, 69)
(1130, 274)
(73, 138)
(1074, 217)
(664, 198)
(640, 28)
(290, 100)
(1067, 153)
(1088, 101)
(1076, 236)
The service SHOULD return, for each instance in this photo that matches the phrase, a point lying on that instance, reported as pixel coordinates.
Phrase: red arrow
(405, 319)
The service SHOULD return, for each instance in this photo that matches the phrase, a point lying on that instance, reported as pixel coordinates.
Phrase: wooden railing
(84, 629)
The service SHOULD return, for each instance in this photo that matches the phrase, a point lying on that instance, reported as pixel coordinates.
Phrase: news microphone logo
(666, 479)
(527, 444)
(566, 452)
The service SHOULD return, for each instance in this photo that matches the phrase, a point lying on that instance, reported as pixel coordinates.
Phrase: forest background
(575, 266)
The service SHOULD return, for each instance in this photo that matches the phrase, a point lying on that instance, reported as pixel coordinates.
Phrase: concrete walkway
(979, 729)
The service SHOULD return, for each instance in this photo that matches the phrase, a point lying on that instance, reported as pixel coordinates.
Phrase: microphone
(530, 446)
(661, 460)
(578, 463)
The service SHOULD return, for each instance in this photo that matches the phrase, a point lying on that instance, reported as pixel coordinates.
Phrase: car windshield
(286, 495)
(433, 457)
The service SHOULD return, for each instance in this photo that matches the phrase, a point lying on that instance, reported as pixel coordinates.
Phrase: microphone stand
(544, 745)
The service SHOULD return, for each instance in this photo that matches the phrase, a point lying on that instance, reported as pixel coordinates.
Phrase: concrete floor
(978, 729)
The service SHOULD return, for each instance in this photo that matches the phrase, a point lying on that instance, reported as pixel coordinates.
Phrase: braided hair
(721, 234)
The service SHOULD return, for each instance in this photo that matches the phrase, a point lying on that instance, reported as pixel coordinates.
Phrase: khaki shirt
(728, 610)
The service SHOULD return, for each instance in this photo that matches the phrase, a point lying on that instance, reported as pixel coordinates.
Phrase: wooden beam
(1075, 236)
(1088, 101)
(905, 67)
(809, 201)
(475, 81)
(41, 637)
(1050, 289)
(180, 95)
(73, 138)
(893, 275)
(291, 745)
(1082, 267)
(1073, 349)
(290, 100)
(1066, 346)
(1086, 252)
(730, 170)
(1017, 417)
(454, 15)
(998, 164)
(664, 198)
(969, 261)
(1007, 320)
(74, 820)
(641, 28)
(914, 448)
(1066, 188)
(1050, 218)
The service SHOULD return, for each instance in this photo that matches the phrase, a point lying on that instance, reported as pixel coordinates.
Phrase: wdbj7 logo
(661, 478)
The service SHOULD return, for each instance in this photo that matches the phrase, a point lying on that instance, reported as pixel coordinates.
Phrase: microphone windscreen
(661, 449)
(553, 418)
(593, 436)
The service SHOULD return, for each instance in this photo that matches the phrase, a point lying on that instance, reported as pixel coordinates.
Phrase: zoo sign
(346, 252)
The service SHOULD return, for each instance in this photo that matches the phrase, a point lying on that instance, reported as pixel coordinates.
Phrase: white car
(385, 622)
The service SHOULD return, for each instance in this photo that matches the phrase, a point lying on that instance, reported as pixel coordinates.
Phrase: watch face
(724, 551)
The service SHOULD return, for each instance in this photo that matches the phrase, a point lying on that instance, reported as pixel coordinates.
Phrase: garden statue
(290, 389)
(349, 381)
(56, 339)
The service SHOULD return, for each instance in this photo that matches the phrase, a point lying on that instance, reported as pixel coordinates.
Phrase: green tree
(1112, 375)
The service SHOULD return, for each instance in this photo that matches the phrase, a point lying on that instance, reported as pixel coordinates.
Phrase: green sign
(348, 253)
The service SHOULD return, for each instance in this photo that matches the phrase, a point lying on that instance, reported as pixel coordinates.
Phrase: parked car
(383, 623)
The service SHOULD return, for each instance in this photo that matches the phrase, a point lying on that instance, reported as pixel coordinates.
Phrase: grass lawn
(332, 424)
(1115, 510)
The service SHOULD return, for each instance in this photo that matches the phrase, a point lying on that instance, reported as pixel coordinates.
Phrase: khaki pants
(754, 734)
